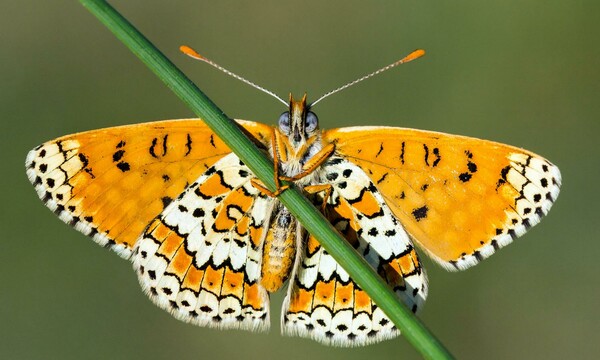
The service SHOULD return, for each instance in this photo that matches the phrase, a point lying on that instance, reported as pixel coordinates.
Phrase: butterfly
(209, 242)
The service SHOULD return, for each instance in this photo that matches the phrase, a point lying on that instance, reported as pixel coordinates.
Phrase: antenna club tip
(190, 52)
(414, 55)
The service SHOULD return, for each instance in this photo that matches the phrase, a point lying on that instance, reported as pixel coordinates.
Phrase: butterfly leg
(275, 145)
(313, 163)
(317, 160)
(263, 189)
(326, 188)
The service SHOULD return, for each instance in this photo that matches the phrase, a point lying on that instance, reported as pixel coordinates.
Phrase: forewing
(110, 183)
(323, 302)
(460, 198)
(200, 258)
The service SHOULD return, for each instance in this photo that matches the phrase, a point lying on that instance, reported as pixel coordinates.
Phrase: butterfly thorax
(293, 159)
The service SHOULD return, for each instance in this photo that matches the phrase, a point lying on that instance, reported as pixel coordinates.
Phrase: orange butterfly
(209, 242)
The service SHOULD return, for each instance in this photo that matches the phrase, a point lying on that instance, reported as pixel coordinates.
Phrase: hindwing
(200, 258)
(323, 302)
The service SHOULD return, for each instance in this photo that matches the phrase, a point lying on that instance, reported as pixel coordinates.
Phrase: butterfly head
(299, 124)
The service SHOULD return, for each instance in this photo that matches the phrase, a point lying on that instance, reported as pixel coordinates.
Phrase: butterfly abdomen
(278, 251)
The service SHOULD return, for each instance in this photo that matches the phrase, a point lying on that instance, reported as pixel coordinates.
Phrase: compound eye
(311, 122)
(284, 122)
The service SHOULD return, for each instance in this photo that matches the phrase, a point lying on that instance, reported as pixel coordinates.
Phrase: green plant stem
(360, 271)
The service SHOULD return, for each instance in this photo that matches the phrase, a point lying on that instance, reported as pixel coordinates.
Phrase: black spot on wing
(198, 213)
(243, 173)
(436, 152)
(503, 174)
(495, 245)
(402, 153)
(380, 150)
(123, 166)
(165, 144)
(152, 147)
(332, 176)
(118, 155)
(472, 166)
(334, 161)
(84, 160)
(382, 178)
(211, 170)
(420, 213)
(464, 177)
(166, 201)
(188, 145)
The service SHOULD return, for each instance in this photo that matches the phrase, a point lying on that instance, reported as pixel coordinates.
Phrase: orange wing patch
(460, 198)
(110, 183)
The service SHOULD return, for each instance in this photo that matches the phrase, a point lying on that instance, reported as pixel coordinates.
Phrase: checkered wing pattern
(323, 302)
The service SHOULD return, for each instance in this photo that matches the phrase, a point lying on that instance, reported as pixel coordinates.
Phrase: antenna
(410, 57)
(193, 54)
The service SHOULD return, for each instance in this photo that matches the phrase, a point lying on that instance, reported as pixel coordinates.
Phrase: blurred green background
(521, 72)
